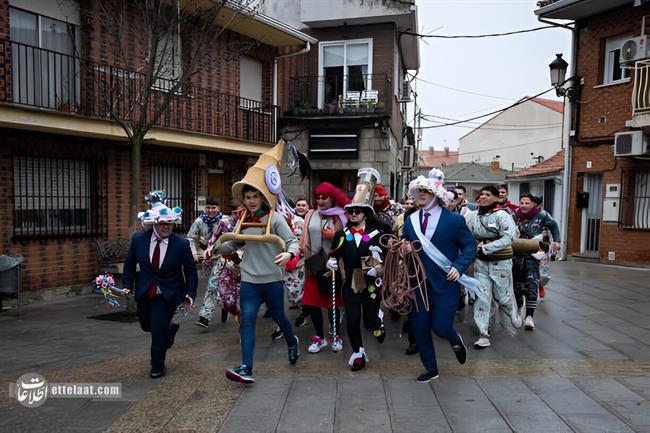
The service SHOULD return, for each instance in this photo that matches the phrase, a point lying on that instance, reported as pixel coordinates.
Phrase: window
(250, 83)
(56, 197)
(45, 70)
(168, 61)
(613, 71)
(345, 67)
(180, 185)
(635, 199)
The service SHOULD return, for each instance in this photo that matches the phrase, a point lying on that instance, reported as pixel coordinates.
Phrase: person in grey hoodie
(262, 279)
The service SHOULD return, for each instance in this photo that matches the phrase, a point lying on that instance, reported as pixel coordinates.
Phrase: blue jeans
(251, 296)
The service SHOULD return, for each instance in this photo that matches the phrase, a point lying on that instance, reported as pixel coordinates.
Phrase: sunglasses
(355, 211)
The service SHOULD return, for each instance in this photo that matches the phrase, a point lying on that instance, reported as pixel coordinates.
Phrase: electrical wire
(461, 90)
(511, 146)
(521, 101)
(491, 35)
(520, 126)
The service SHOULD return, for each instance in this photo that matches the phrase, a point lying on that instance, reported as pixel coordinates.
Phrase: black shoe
(412, 349)
(202, 322)
(293, 353)
(460, 351)
(224, 316)
(427, 377)
(155, 374)
(172, 334)
(276, 334)
(300, 321)
(267, 314)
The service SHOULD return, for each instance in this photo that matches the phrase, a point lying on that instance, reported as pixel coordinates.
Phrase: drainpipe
(303, 50)
(566, 137)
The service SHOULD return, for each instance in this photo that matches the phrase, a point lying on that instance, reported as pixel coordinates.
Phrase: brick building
(65, 170)
(609, 198)
(345, 102)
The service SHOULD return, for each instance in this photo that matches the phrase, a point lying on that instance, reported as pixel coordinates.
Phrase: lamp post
(558, 69)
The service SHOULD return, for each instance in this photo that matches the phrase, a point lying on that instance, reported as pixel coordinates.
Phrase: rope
(399, 283)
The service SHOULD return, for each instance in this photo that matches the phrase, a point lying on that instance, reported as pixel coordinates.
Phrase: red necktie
(424, 223)
(155, 266)
(354, 230)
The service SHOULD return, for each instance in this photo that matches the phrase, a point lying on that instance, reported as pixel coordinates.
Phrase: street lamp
(558, 69)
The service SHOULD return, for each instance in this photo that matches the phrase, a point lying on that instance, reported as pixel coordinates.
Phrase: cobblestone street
(586, 368)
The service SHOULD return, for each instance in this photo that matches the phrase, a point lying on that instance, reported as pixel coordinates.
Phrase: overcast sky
(508, 67)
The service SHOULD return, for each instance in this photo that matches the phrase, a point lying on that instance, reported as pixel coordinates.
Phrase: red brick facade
(603, 112)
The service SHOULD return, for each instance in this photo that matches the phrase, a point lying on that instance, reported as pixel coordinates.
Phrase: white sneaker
(515, 318)
(337, 344)
(482, 342)
(317, 344)
(529, 324)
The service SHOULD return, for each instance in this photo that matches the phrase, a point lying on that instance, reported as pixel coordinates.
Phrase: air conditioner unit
(630, 143)
(405, 92)
(634, 49)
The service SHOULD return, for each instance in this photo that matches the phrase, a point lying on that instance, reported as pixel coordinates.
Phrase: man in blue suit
(448, 248)
(166, 278)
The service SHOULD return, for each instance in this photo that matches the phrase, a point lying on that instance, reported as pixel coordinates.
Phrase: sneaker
(412, 349)
(529, 324)
(358, 360)
(202, 322)
(293, 353)
(337, 344)
(482, 342)
(515, 318)
(427, 377)
(460, 351)
(276, 334)
(157, 374)
(300, 321)
(241, 374)
(317, 344)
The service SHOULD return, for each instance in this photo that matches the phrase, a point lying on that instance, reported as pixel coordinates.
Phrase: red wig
(326, 189)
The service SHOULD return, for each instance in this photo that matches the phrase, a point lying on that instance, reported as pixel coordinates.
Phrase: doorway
(590, 229)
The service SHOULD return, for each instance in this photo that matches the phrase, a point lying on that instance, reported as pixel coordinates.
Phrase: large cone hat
(263, 176)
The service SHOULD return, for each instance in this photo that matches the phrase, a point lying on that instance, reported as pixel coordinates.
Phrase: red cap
(380, 191)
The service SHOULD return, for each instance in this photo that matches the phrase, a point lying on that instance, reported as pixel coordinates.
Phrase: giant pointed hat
(264, 176)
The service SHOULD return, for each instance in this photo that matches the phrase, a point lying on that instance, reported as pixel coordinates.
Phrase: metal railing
(641, 92)
(50, 80)
(339, 95)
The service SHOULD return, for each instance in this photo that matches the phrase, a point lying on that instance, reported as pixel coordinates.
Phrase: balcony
(51, 81)
(641, 95)
(339, 95)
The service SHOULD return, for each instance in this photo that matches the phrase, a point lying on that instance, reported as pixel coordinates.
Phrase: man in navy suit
(167, 277)
(445, 238)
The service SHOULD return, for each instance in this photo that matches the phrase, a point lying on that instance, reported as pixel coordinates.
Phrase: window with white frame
(250, 83)
(346, 66)
(612, 62)
(45, 70)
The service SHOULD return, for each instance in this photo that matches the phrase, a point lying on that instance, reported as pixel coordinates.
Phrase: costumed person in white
(494, 230)
(448, 248)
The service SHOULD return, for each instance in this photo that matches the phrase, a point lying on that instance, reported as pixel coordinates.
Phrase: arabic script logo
(31, 390)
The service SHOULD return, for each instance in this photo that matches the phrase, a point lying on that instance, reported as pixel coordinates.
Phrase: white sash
(440, 259)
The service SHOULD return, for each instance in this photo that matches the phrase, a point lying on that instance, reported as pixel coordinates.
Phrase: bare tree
(157, 47)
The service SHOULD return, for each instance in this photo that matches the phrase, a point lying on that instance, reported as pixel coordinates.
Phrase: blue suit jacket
(455, 241)
(177, 275)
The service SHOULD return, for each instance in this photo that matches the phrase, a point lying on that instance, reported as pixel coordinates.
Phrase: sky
(505, 68)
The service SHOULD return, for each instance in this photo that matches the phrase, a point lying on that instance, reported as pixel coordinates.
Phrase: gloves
(372, 272)
(376, 254)
(332, 265)
(292, 264)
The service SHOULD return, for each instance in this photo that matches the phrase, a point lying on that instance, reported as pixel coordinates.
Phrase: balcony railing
(336, 95)
(641, 92)
(49, 80)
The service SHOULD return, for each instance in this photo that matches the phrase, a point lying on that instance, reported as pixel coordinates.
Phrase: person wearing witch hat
(270, 244)
(167, 276)
(357, 248)
(447, 249)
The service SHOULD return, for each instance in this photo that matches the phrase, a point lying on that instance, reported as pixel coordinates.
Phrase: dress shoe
(428, 376)
(156, 374)
(460, 351)
(172, 334)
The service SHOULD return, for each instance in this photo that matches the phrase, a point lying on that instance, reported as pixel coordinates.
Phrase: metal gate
(591, 214)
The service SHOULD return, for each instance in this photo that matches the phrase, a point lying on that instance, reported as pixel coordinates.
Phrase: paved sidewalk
(585, 368)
